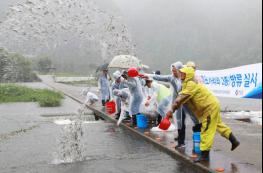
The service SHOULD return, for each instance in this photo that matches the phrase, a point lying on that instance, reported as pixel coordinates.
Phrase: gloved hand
(169, 115)
(122, 79)
(143, 76)
(147, 103)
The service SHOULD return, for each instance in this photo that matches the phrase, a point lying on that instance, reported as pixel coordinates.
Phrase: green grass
(14, 93)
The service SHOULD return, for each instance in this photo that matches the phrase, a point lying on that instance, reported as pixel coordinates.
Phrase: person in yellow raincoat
(207, 109)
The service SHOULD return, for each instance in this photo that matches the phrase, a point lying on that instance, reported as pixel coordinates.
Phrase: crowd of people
(150, 95)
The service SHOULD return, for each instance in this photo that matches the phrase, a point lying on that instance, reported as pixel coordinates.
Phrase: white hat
(178, 65)
(117, 75)
(191, 64)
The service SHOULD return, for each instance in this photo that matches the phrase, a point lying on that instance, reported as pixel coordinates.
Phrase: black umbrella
(102, 67)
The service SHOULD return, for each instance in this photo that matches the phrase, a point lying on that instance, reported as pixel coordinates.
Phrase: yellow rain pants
(210, 125)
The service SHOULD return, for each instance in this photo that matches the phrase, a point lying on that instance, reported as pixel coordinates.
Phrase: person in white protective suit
(135, 88)
(159, 94)
(90, 97)
(117, 84)
(124, 96)
(104, 87)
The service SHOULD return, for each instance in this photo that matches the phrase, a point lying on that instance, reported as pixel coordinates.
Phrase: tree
(5, 62)
(15, 68)
(44, 64)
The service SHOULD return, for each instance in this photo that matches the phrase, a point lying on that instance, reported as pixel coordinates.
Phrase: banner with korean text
(239, 82)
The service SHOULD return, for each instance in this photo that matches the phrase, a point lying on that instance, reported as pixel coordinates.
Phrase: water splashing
(71, 147)
(67, 29)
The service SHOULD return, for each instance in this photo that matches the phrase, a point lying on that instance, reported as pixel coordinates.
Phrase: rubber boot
(181, 139)
(157, 120)
(177, 138)
(205, 156)
(160, 118)
(134, 121)
(181, 136)
(181, 133)
(197, 128)
(117, 116)
(97, 118)
(103, 103)
(127, 117)
(235, 143)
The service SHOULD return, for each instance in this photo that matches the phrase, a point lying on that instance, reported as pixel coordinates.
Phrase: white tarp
(239, 82)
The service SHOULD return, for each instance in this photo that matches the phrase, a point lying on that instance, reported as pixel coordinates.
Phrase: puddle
(68, 122)
(63, 122)
(253, 117)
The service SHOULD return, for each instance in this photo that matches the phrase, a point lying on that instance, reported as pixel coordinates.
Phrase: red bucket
(110, 107)
(165, 124)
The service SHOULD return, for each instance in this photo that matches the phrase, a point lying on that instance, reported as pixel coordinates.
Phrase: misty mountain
(76, 35)
(215, 34)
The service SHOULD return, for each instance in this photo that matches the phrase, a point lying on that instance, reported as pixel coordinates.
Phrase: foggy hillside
(76, 35)
(216, 34)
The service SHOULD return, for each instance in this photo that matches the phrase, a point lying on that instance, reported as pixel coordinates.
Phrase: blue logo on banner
(256, 93)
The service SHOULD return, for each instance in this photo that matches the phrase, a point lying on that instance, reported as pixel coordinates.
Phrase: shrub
(15, 93)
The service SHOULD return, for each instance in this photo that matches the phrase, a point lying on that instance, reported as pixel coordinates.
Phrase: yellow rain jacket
(200, 99)
(205, 106)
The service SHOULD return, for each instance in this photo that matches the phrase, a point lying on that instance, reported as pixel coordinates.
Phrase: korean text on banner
(239, 82)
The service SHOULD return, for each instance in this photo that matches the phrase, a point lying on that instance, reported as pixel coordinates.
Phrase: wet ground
(105, 149)
(31, 140)
(240, 104)
(246, 158)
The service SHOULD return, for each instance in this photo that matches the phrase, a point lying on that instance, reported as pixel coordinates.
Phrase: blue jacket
(175, 83)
